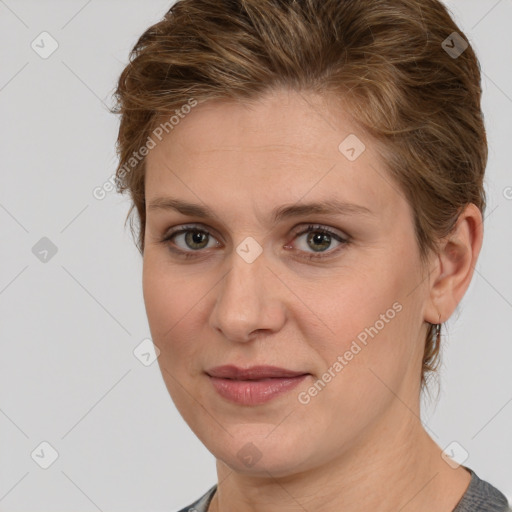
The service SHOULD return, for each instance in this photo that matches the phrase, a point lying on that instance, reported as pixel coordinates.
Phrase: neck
(394, 467)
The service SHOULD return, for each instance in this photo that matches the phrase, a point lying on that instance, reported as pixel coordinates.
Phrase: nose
(248, 300)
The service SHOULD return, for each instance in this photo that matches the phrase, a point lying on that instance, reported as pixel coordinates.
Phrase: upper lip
(251, 373)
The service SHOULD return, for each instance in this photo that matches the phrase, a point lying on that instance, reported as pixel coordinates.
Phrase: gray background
(69, 325)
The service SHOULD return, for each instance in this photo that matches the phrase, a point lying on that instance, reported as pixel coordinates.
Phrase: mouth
(255, 385)
(253, 373)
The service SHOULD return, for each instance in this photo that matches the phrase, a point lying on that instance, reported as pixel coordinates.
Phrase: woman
(308, 180)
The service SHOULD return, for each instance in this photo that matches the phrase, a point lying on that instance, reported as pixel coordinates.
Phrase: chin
(259, 453)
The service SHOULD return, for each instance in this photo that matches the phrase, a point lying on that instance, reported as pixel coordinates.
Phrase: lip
(255, 385)
(252, 373)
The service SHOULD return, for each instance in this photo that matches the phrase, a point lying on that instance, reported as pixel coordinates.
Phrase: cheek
(368, 323)
(351, 307)
(158, 298)
(167, 299)
(169, 309)
(361, 362)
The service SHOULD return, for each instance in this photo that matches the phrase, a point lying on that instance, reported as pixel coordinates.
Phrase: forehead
(280, 147)
(279, 121)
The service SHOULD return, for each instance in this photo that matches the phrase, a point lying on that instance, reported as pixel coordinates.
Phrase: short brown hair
(386, 58)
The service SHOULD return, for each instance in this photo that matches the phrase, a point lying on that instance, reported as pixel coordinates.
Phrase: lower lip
(254, 392)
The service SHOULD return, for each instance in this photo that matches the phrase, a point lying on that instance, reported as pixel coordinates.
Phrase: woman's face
(249, 293)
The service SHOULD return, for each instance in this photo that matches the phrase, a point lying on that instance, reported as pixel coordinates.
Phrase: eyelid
(305, 227)
(193, 226)
(183, 228)
(301, 229)
(341, 237)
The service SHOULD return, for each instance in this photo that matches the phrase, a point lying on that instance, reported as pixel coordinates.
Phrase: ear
(454, 265)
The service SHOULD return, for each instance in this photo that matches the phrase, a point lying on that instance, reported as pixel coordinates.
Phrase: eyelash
(316, 228)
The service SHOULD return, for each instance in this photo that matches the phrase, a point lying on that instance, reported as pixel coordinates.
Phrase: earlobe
(456, 260)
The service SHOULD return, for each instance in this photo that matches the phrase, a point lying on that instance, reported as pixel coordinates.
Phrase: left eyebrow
(327, 207)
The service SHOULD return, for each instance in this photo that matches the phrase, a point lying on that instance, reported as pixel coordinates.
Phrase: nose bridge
(247, 300)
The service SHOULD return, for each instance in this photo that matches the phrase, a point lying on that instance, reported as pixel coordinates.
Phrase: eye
(191, 237)
(320, 238)
(190, 240)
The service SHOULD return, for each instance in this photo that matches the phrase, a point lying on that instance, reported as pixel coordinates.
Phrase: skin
(359, 443)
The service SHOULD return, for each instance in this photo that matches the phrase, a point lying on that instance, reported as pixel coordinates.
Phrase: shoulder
(201, 505)
(481, 496)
